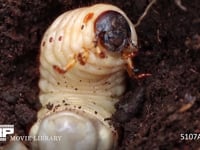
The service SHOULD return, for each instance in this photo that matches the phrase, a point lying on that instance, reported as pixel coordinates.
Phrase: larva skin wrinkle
(82, 76)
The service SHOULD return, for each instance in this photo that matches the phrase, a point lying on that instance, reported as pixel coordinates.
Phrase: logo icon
(5, 130)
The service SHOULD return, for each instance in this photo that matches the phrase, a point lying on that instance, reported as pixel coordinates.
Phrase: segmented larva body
(83, 59)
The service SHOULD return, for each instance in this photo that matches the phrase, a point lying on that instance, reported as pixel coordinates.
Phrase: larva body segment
(82, 77)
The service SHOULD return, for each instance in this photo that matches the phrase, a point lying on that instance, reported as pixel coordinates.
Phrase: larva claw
(143, 75)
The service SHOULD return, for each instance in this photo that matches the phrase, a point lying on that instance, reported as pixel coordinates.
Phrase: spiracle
(84, 56)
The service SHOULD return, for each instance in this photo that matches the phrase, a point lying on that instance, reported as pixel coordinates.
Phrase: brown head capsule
(113, 31)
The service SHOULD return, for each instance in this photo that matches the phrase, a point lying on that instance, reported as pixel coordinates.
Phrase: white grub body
(78, 83)
(14, 145)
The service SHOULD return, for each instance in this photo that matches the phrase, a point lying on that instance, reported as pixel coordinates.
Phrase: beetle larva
(83, 58)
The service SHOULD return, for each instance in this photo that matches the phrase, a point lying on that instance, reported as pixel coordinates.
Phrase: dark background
(155, 110)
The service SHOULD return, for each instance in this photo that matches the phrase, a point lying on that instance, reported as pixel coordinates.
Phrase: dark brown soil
(154, 111)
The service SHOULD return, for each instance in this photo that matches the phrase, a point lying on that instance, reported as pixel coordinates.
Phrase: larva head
(114, 32)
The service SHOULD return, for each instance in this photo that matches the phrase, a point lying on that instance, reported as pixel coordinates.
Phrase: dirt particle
(49, 106)
(66, 104)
